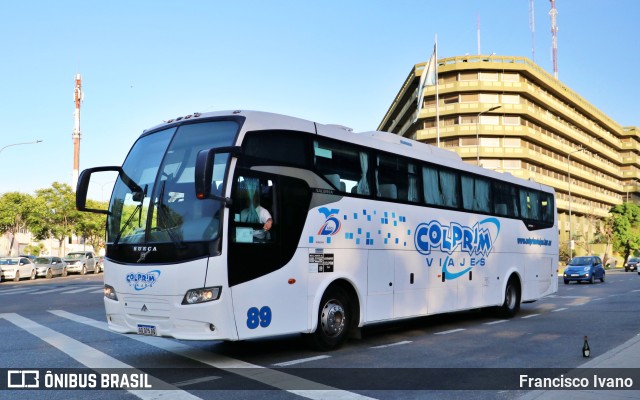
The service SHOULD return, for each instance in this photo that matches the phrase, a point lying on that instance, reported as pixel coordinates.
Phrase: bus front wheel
(334, 320)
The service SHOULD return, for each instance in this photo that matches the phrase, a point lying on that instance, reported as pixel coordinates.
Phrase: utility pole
(78, 95)
(554, 36)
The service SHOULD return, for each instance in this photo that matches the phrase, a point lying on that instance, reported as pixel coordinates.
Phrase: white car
(16, 268)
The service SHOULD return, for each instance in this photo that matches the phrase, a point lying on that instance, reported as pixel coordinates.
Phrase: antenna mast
(532, 24)
(554, 35)
(78, 95)
(478, 31)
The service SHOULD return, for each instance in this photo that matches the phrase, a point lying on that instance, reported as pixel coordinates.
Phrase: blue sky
(336, 62)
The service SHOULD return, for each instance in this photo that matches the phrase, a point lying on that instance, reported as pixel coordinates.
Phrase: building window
(511, 142)
(511, 98)
(511, 120)
(466, 142)
(450, 98)
(469, 97)
(489, 119)
(468, 119)
(468, 76)
(489, 76)
(491, 164)
(489, 98)
(489, 142)
(511, 164)
(510, 77)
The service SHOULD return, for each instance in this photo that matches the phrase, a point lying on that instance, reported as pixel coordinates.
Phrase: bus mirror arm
(204, 172)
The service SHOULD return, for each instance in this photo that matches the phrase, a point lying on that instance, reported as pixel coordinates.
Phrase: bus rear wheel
(334, 320)
(511, 304)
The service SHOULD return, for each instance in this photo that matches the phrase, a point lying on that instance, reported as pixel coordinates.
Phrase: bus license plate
(148, 330)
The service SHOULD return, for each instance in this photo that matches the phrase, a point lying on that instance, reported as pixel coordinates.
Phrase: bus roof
(385, 141)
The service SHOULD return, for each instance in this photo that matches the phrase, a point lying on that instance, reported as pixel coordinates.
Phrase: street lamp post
(478, 133)
(570, 223)
(17, 144)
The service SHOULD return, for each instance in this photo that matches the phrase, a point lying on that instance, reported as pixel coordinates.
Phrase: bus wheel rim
(333, 318)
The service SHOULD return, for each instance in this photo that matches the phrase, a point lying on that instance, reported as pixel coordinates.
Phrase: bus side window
(343, 165)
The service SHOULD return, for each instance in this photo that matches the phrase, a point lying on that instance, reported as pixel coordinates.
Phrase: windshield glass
(581, 261)
(160, 206)
(42, 260)
(75, 256)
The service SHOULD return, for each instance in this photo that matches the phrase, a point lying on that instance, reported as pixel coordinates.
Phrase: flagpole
(437, 97)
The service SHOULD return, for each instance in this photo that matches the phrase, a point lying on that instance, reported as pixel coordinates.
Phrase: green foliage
(15, 211)
(624, 223)
(33, 250)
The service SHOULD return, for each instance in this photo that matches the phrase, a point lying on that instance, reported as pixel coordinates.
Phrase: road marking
(530, 316)
(300, 361)
(496, 322)
(451, 331)
(58, 289)
(559, 309)
(83, 289)
(196, 381)
(391, 344)
(92, 358)
(637, 290)
(98, 291)
(277, 379)
(18, 291)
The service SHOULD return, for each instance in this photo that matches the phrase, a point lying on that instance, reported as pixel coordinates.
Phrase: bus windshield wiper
(138, 210)
(167, 216)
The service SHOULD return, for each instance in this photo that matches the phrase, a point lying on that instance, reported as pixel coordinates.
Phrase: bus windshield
(164, 208)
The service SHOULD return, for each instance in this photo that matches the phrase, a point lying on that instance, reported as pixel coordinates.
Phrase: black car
(632, 264)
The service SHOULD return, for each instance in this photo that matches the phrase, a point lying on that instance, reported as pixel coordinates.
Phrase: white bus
(365, 227)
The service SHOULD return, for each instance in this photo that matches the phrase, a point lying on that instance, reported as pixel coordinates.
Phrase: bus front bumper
(166, 316)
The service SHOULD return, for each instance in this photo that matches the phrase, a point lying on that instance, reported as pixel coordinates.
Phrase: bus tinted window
(276, 147)
(345, 167)
(440, 187)
(397, 179)
(505, 199)
(476, 193)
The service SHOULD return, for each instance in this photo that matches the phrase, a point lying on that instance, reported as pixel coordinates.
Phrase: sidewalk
(627, 355)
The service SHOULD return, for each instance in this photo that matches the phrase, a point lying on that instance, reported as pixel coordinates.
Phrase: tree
(92, 226)
(624, 222)
(15, 210)
(54, 213)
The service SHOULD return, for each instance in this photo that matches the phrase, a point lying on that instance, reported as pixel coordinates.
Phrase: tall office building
(508, 114)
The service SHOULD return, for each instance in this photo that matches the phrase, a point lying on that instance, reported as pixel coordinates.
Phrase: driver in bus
(257, 214)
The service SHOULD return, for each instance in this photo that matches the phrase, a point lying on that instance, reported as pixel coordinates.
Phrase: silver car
(50, 267)
(16, 268)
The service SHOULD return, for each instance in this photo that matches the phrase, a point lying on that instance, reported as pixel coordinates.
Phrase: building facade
(508, 114)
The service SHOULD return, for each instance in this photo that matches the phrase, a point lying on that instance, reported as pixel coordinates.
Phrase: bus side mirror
(83, 186)
(205, 161)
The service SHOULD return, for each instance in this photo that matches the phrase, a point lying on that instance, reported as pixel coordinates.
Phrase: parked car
(81, 262)
(632, 264)
(16, 268)
(584, 269)
(50, 266)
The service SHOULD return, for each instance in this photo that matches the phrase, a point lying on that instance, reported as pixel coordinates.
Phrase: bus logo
(332, 224)
(143, 280)
(454, 240)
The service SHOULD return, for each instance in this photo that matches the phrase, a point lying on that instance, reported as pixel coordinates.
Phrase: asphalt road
(59, 325)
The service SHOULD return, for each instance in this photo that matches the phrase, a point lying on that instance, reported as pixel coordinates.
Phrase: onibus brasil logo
(465, 246)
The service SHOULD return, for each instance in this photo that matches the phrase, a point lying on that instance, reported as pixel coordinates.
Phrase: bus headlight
(110, 292)
(195, 296)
